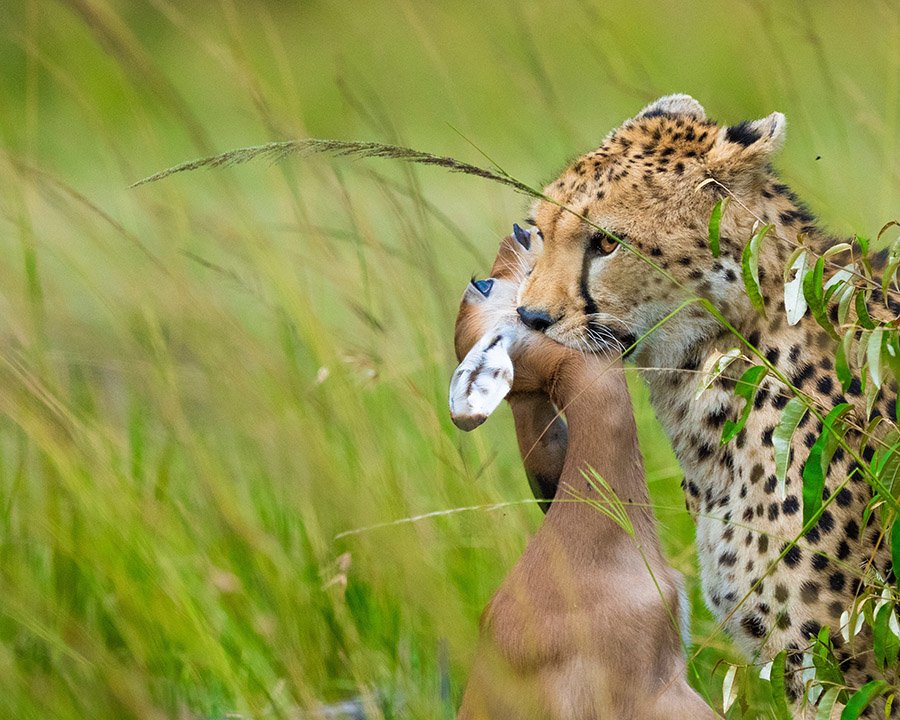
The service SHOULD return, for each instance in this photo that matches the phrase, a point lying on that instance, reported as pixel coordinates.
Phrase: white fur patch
(482, 380)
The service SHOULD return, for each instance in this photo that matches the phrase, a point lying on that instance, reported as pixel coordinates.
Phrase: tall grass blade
(276, 151)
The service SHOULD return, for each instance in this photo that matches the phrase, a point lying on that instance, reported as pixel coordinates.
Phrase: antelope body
(586, 626)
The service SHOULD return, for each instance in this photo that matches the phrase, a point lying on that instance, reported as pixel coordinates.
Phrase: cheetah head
(645, 186)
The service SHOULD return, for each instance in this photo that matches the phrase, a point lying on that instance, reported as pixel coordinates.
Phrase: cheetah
(652, 184)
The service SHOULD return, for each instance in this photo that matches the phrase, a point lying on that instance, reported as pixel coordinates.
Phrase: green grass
(205, 380)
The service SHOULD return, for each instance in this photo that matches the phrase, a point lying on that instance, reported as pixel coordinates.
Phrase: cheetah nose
(523, 236)
(538, 320)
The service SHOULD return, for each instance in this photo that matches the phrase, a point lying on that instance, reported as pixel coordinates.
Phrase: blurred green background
(205, 380)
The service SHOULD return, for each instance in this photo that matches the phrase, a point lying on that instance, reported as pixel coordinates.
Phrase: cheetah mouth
(603, 337)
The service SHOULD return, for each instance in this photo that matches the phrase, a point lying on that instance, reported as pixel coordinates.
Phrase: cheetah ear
(678, 104)
(748, 144)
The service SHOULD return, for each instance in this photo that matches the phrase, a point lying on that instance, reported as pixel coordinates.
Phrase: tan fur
(586, 625)
(653, 183)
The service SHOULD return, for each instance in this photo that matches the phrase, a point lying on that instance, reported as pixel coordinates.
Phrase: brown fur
(586, 625)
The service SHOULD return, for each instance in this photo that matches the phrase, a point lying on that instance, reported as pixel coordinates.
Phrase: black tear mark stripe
(590, 307)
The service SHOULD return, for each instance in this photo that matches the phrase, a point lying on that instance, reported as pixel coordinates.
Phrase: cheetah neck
(675, 355)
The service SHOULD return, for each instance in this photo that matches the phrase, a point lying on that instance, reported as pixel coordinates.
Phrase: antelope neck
(593, 394)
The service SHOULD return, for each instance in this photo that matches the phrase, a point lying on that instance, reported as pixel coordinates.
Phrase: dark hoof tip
(468, 422)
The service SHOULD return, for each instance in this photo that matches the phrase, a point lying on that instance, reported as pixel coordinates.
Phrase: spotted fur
(653, 183)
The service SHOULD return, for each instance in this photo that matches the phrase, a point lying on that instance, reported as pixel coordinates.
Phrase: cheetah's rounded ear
(748, 144)
(678, 104)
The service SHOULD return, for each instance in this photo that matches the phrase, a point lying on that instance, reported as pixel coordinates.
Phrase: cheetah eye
(602, 243)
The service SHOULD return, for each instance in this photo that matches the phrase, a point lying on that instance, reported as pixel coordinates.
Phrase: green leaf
(844, 305)
(837, 249)
(863, 243)
(895, 547)
(826, 703)
(776, 679)
(819, 276)
(715, 222)
(873, 355)
(814, 293)
(887, 226)
(885, 643)
(729, 691)
(842, 367)
(746, 388)
(714, 366)
(832, 443)
(790, 418)
(828, 670)
(872, 391)
(862, 311)
(861, 699)
(879, 628)
(794, 301)
(840, 283)
(891, 354)
(750, 269)
(813, 472)
(887, 466)
(890, 273)
(867, 511)
(861, 345)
